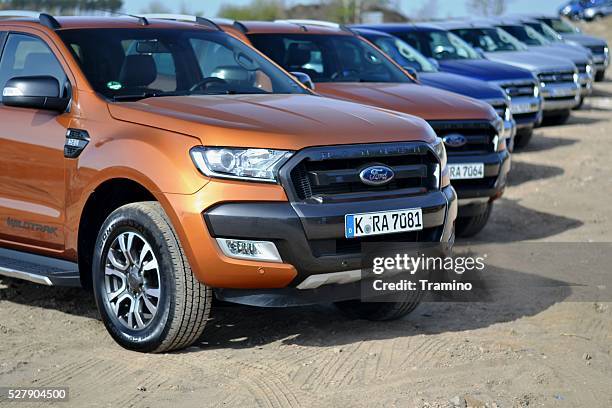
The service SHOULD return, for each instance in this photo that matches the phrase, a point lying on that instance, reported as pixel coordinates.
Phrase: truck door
(32, 185)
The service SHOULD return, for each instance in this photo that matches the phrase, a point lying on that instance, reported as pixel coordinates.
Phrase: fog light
(251, 250)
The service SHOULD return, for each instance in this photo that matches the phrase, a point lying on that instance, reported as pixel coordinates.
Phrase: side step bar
(38, 269)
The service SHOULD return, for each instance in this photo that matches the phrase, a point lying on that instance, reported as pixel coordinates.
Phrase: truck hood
(576, 57)
(485, 70)
(533, 61)
(583, 39)
(463, 85)
(278, 121)
(573, 47)
(423, 101)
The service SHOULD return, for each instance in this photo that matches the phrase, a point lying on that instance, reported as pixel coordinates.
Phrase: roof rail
(320, 23)
(45, 19)
(228, 21)
(183, 17)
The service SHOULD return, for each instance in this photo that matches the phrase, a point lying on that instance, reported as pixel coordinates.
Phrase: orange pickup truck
(161, 163)
(344, 65)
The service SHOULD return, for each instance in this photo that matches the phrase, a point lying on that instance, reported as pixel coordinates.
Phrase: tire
(522, 138)
(559, 119)
(579, 104)
(380, 311)
(599, 76)
(467, 227)
(137, 250)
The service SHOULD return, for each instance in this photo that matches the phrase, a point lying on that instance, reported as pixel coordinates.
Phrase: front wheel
(558, 119)
(467, 227)
(145, 291)
(522, 138)
(599, 76)
(579, 104)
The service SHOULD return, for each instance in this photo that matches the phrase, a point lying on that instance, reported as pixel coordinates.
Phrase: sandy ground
(524, 348)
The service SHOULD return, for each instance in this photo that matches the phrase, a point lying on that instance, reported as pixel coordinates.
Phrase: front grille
(334, 174)
(517, 89)
(597, 49)
(556, 77)
(525, 117)
(478, 134)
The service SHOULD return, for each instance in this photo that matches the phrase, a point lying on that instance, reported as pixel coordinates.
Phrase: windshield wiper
(143, 95)
(230, 92)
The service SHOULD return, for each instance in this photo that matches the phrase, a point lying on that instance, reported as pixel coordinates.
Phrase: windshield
(545, 31)
(525, 34)
(490, 39)
(402, 53)
(130, 64)
(561, 26)
(440, 45)
(329, 58)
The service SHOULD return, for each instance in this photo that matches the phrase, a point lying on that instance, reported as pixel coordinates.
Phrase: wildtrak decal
(31, 226)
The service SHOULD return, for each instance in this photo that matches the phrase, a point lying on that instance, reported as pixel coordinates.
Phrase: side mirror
(35, 92)
(434, 62)
(413, 72)
(304, 79)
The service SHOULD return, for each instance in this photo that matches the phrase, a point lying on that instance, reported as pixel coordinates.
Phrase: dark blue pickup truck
(457, 57)
(428, 73)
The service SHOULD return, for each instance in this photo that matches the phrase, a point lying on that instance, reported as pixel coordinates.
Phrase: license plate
(384, 222)
(466, 171)
(522, 108)
(562, 92)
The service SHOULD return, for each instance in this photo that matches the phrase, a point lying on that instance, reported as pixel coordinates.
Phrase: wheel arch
(101, 202)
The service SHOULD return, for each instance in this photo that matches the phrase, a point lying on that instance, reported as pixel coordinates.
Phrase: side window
(25, 55)
(231, 65)
(305, 56)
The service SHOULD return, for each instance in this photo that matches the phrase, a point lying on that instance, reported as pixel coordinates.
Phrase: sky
(446, 8)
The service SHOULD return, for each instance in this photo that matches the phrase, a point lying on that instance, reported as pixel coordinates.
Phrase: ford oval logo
(454, 140)
(376, 175)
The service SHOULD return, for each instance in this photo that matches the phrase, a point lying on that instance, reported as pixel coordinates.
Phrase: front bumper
(586, 84)
(527, 111)
(560, 96)
(509, 133)
(481, 191)
(601, 61)
(310, 236)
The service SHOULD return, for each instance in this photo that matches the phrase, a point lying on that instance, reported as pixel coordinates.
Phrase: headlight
(589, 69)
(606, 50)
(244, 164)
(507, 114)
(440, 150)
(536, 90)
(575, 76)
(589, 12)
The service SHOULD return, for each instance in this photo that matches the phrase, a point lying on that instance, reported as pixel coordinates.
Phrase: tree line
(63, 6)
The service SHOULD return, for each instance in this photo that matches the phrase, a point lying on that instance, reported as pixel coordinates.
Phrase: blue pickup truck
(428, 73)
(461, 59)
(534, 41)
(572, 35)
(558, 76)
